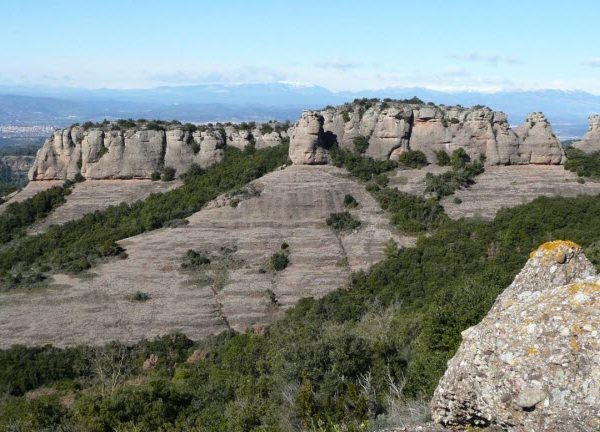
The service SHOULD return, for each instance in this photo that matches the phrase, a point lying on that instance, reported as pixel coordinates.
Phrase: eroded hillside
(238, 289)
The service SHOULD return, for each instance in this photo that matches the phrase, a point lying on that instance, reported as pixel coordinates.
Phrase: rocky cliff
(138, 149)
(533, 363)
(393, 127)
(127, 149)
(15, 167)
(591, 140)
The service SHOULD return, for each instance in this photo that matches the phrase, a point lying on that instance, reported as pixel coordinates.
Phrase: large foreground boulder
(533, 363)
(307, 140)
(591, 140)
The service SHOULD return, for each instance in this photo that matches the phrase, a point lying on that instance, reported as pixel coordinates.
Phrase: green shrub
(350, 202)
(195, 146)
(584, 164)
(411, 213)
(138, 296)
(193, 260)
(447, 183)
(155, 176)
(361, 144)
(443, 159)
(19, 215)
(342, 221)
(459, 158)
(361, 167)
(279, 261)
(168, 174)
(413, 159)
(266, 128)
(284, 246)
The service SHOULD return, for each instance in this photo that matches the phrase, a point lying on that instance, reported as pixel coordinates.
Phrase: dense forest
(362, 357)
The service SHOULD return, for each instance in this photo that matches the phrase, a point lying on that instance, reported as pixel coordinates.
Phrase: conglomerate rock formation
(533, 363)
(136, 150)
(394, 127)
(591, 140)
(108, 151)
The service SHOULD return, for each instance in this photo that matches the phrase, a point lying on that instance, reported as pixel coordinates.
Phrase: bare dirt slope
(29, 191)
(237, 289)
(509, 186)
(92, 195)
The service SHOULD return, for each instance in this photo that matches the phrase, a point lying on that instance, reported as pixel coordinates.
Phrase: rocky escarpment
(591, 140)
(393, 127)
(15, 167)
(533, 363)
(307, 140)
(136, 150)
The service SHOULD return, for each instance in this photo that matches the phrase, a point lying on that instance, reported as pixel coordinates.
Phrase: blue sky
(342, 45)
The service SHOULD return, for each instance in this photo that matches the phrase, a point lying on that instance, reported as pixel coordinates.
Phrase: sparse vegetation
(279, 261)
(584, 164)
(193, 260)
(413, 159)
(361, 144)
(76, 245)
(343, 221)
(350, 202)
(358, 356)
(443, 159)
(138, 296)
(461, 175)
(168, 174)
(20, 215)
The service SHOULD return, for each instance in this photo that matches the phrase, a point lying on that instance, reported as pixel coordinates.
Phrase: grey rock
(532, 364)
(530, 397)
(111, 153)
(394, 127)
(307, 141)
(591, 140)
(537, 142)
(16, 166)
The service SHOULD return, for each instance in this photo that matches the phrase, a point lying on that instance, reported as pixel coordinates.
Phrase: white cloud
(593, 62)
(339, 64)
(493, 59)
(244, 74)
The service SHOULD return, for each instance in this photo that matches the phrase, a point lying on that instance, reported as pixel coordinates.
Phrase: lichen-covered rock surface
(533, 363)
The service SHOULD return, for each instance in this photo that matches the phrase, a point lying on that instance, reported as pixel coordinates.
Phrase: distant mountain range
(567, 110)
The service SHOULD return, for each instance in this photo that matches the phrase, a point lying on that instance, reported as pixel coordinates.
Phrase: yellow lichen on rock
(553, 246)
(584, 287)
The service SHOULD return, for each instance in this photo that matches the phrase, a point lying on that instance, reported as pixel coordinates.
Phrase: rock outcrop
(533, 363)
(307, 140)
(537, 142)
(393, 127)
(108, 151)
(15, 167)
(591, 140)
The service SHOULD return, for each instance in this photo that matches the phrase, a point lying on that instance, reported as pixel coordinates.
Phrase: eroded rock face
(537, 142)
(15, 166)
(591, 140)
(307, 140)
(112, 153)
(533, 363)
(394, 127)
